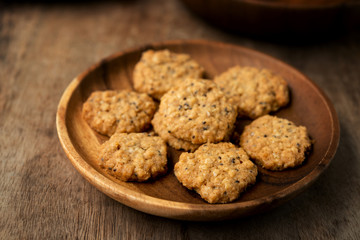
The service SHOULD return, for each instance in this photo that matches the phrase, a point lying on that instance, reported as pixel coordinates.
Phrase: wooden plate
(165, 196)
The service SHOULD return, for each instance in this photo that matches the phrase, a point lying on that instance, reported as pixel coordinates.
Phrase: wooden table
(44, 46)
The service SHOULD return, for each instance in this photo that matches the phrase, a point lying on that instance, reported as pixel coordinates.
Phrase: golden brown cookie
(197, 111)
(218, 172)
(120, 111)
(254, 91)
(134, 156)
(275, 143)
(158, 71)
(160, 128)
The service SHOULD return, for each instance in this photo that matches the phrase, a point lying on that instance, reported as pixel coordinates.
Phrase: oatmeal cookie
(158, 71)
(120, 111)
(255, 92)
(275, 143)
(218, 172)
(174, 142)
(197, 111)
(134, 156)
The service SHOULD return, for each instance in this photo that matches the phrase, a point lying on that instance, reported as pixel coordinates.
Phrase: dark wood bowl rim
(294, 5)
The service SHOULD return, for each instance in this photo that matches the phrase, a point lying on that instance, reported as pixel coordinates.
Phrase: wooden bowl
(166, 197)
(276, 19)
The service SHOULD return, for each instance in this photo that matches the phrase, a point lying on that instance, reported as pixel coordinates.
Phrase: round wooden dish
(166, 197)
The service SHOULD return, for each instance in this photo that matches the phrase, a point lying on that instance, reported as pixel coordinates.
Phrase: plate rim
(141, 201)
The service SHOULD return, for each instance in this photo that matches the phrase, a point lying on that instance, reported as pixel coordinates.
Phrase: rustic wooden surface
(44, 46)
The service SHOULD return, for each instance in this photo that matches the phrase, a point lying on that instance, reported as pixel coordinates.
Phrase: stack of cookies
(198, 116)
(193, 113)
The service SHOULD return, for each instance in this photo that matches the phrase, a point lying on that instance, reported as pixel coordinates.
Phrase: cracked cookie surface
(275, 143)
(197, 111)
(158, 71)
(134, 156)
(218, 172)
(111, 111)
(255, 92)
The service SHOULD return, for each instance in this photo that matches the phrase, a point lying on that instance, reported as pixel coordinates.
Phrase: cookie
(160, 128)
(218, 172)
(197, 111)
(255, 92)
(120, 111)
(134, 156)
(158, 71)
(275, 143)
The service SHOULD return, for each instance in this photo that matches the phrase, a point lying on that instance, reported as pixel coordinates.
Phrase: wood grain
(44, 46)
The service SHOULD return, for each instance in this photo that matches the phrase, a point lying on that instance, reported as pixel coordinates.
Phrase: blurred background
(45, 44)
